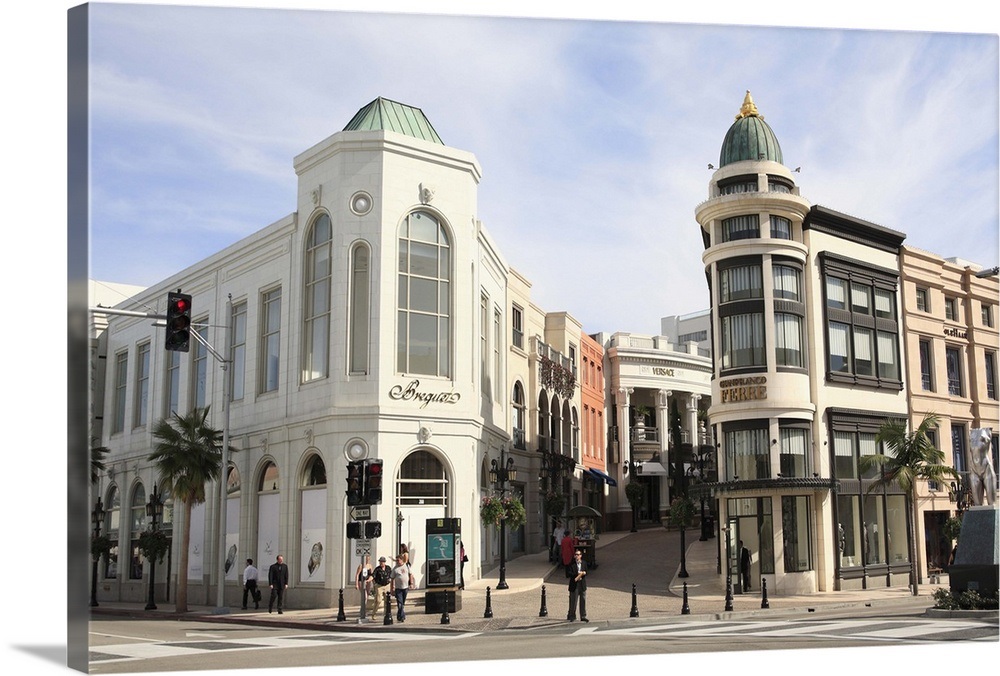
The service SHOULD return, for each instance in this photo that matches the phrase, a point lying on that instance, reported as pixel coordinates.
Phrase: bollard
(489, 606)
(543, 611)
(388, 609)
(729, 592)
(445, 617)
(685, 609)
(764, 603)
(635, 605)
(341, 616)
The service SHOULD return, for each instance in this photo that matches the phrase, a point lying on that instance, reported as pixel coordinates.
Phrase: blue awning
(602, 477)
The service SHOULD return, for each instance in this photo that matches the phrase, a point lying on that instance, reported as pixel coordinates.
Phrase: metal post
(98, 516)
(543, 611)
(634, 612)
(341, 615)
(153, 508)
(764, 603)
(220, 562)
(489, 606)
(685, 608)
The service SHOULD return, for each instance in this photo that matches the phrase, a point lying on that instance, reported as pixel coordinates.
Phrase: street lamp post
(97, 517)
(500, 474)
(154, 510)
(631, 470)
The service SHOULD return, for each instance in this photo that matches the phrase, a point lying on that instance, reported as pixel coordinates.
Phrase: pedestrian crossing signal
(373, 529)
(354, 530)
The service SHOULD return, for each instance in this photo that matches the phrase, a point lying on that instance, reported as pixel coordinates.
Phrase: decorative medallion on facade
(361, 203)
(427, 193)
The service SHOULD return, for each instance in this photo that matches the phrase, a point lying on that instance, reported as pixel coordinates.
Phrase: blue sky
(584, 140)
(594, 135)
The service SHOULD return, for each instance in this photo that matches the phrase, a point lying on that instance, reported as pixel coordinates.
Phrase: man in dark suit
(576, 571)
(744, 568)
(277, 579)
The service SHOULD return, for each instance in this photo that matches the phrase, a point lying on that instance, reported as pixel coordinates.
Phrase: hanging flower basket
(154, 544)
(556, 377)
(681, 512)
(494, 510)
(633, 492)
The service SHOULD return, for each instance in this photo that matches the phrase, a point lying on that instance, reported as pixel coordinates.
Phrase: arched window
(423, 344)
(268, 478)
(360, 310)
(518, 416)
(316, 314)
(422, 480)
(315, 473)
(268, 507)
(112, 522)
(137, 524)
(233, 482)
(543, 421)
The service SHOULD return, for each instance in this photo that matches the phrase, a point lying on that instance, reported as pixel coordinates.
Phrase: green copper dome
(750, 137)
(385, 115)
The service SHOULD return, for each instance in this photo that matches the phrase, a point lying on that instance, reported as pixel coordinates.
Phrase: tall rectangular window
(788, 340)
(781, 228)
(922, 300)
(199, 364)
(953, 363)
(796, 533)
(484, 359)
(926, 368)
(958, 446)
(270, 340)
(987, 314)
(497, 366)
(141, 385)
(121, 385)
(990, 359)
(423, 334)
(787, 282)
(238, 352)
(172, 383)
(747, 454)
(316, 310)
(794, 452)
(743, 340)
(740, 283)
(360, 311)
(517, 326)
(951, 309)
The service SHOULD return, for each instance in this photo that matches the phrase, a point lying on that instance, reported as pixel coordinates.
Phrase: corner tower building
(805, 334)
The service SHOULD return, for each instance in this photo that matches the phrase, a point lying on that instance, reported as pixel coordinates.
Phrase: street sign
(363, 547)
(361, 513)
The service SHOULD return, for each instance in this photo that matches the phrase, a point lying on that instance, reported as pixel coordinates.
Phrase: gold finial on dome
(749, 108)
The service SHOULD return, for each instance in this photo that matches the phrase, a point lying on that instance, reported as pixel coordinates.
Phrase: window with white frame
(424, 305)
(141, 412)
(926, 367)
(990, 363)
(951, 309)
(121, 386)
(497, 362)
(238, 352)
(923, 300)
(199, 364)
(987, 315)
(953, 365)
(517, 326)
(360, 309)
(270, 341)
(788, 340)
(316, 313)
(172, 382)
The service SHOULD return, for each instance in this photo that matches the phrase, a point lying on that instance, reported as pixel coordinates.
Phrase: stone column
(663, 421)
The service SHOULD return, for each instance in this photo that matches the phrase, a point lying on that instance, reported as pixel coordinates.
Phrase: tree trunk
(912, 536)
(182, 561)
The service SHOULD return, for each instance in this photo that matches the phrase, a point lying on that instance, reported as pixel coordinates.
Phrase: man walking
(402, 581)
(577, 574)
(744, 567)
(381, 579)
(277, 580)
(250, 576)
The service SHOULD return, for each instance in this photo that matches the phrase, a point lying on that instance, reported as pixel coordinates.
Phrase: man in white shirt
(250, 576)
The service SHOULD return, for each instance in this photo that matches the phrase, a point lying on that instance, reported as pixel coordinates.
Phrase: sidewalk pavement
(522, 604)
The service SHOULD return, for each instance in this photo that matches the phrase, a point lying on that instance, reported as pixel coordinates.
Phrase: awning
(651, 468)
(601, 476)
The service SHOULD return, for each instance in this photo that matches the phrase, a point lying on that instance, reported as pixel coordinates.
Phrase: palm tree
(911, 457)
(97, 454)
(187, 455)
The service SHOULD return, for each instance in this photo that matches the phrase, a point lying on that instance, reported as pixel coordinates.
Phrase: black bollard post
(388, 609)
(543, 611)
(341, 616)
(729, 592)
(489, 605)
(445, 617)
(685, 609)
(764, 603)
(635, 605)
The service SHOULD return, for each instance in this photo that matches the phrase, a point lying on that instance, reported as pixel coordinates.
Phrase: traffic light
(355, 482)
(373, 482)
(354, 530)
(373, 529)
(178, 322)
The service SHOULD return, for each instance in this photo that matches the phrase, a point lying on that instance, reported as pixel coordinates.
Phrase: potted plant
(154, 544)
(555, 502)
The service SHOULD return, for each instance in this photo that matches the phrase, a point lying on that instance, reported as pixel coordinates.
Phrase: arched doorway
(421, 494)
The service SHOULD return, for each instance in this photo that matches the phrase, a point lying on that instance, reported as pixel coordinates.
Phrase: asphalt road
(135, 645)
